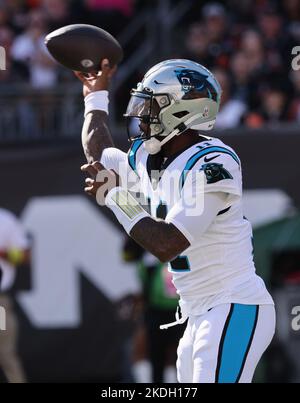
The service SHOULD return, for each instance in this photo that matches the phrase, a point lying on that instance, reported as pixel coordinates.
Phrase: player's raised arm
(95, 132)
(93, 54)
(165, 239)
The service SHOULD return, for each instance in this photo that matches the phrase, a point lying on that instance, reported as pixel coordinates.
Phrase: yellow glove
(15, 256)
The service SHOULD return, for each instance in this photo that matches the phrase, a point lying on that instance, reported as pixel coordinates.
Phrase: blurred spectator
(292, 10)
(292, 14)
(13, 73)
(216, 29)
(215, 19)
(240, 76)
(196, 45)
(277, 42)
(29, 48)
(16, 11)
(294, 112)
(14, 250)
(253, 48)
(273, 107)
(6, 38)
(231, 110)
(111, 15)
(58, 13)
(4, 17)
(243, 11)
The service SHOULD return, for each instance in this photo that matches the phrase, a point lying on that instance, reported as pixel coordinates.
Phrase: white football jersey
(218, 265)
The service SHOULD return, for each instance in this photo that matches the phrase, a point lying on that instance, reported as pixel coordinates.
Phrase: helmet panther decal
(195, 84)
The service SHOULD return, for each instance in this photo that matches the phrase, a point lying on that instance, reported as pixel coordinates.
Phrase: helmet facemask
(142, 114)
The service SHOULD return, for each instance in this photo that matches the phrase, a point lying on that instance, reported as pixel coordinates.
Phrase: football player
(197, 182)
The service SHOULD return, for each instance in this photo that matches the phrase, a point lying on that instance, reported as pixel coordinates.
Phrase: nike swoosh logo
(206, 159)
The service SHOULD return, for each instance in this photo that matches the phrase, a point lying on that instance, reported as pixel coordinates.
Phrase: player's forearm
(158, 237)
(95, 135)
(161, 239)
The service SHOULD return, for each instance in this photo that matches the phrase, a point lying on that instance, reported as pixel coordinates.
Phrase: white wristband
(96, 101)
(125, 207)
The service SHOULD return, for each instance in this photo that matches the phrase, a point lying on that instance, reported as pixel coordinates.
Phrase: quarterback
(192, 184)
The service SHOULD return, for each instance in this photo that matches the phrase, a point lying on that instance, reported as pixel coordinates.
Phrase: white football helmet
(174, 95)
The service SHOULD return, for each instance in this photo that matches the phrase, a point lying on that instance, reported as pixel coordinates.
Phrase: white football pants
(225, 344)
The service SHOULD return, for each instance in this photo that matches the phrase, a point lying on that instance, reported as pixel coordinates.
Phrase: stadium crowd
(247, 44)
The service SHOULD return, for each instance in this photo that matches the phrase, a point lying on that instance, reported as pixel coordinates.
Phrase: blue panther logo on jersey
(215, 172)
(196, 85)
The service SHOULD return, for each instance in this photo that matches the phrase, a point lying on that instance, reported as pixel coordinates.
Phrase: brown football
(82, 47)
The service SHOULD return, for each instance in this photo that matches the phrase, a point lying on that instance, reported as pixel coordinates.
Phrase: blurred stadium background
(76, 303)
